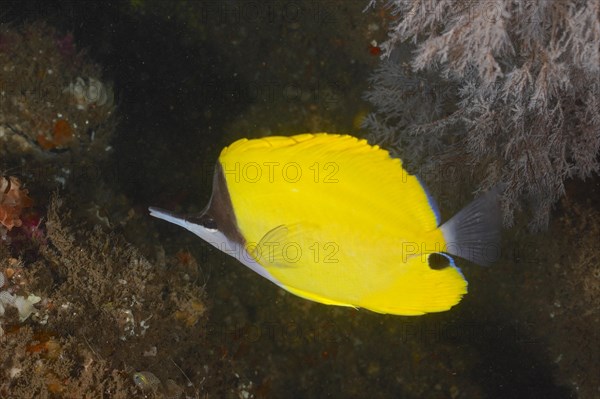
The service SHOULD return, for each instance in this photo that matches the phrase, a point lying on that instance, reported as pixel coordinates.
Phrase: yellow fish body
(335, 220)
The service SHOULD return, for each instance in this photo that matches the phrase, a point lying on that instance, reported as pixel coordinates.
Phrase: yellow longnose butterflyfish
(335, 220)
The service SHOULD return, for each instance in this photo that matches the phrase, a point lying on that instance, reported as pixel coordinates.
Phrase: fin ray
(474, 232)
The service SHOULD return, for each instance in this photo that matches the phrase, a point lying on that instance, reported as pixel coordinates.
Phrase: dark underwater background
(132, 307)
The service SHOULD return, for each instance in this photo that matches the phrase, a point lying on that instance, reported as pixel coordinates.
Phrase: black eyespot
(439, 261)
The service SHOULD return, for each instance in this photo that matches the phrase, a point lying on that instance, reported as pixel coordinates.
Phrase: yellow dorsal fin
(342, 161)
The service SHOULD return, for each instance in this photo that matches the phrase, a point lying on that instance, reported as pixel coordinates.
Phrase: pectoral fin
(273, 249)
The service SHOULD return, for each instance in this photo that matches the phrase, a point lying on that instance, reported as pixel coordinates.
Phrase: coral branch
(517, 84)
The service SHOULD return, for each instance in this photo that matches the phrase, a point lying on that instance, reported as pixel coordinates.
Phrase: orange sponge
(12, 201)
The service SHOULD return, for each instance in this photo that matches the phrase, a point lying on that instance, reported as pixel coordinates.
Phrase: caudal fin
(474, 232)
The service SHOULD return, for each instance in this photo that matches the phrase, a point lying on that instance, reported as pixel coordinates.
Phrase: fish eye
(209, 223)
(439, 261)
